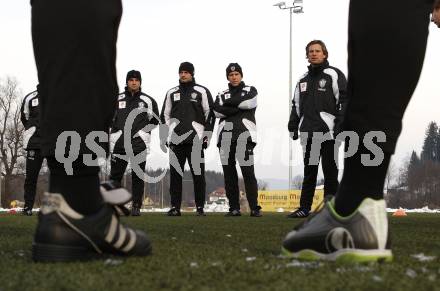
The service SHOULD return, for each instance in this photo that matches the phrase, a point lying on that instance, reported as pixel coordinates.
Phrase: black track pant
(75, 52)
(245, 156)
(311, 165)
(34, 160)
(183, 153)
(386, 48)
(118, 167)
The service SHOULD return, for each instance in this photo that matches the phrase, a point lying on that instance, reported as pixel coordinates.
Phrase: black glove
(294, 135)
(205, 143)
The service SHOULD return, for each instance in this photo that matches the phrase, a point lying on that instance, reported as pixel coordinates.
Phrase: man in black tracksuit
(235, 108)
(317, 111)
(353, 227)
(187, 113)
(30, 119)
(132, 101)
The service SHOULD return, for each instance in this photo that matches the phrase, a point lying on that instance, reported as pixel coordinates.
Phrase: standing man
(187, 113)
(75, 52)
(317, 112)
(146, 117)
(31, 143)
(353, 227)
(235, 107)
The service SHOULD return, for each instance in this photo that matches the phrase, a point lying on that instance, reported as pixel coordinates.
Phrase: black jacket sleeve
(221, 111)
(341, 106)
(23, 117)
(294, 116)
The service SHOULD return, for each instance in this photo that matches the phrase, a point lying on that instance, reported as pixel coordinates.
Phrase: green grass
(219, 253)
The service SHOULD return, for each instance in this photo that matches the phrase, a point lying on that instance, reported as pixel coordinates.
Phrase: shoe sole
(46, 253)
(343, 256)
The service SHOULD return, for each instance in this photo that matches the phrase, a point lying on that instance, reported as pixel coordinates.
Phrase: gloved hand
(205, 143)
(294, 135)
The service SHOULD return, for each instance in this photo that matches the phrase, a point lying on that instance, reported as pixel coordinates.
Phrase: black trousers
(75, 51)
(386, 49)
(311, 165)
(118, 167)
(183, 153)
(245, 157)
(34, 160)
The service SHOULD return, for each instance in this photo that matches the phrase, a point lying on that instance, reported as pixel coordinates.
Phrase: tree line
(418, 181)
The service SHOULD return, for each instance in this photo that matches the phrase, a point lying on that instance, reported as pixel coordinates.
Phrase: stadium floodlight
(280, 5)
(295, 8)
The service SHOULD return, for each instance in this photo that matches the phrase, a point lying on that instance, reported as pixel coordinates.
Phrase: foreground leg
(78, 219)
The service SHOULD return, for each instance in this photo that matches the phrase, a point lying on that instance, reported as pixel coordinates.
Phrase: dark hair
(321, 43)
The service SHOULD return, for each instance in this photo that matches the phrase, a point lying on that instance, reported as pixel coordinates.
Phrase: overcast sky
(156, 36)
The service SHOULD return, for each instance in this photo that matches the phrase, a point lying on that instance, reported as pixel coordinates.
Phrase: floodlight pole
(297, 7)
(1, 181)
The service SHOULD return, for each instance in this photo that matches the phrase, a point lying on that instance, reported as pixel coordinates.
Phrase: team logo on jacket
(227, 96)
(303, 86)
(176, 96)
(35, 102)
(141, 105)
(121, 104)
(322, 83)
(193, 95)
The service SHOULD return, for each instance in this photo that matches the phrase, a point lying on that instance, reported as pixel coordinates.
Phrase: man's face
(315, 54)
(234, 78)
(133, 84)
(185, 77)
(436, 17)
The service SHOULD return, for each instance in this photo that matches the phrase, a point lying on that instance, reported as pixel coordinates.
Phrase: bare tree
(297, 182)
(11, 135)
(391, 175)
(262, 185)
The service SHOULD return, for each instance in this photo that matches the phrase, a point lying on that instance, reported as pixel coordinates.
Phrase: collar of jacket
(234, 89)
(137, 94)
(187, 85)
(318, 68)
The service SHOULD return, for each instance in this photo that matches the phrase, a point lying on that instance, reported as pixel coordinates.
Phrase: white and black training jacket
(235, 108)
(147, 118)
(187, 111)
(319, 101)
(30, 109)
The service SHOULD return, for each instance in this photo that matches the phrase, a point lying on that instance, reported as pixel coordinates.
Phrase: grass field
(222, 253)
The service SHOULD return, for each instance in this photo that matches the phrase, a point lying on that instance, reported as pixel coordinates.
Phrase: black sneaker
(200, 211)
(174, 212)
(360, 237)
(135, 211)
(256, 212)
(26, 211)
(234, 212)
(64, 235)
(299, 213)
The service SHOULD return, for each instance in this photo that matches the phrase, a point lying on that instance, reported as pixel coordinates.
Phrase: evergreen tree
(430, 150)
(413, 173)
